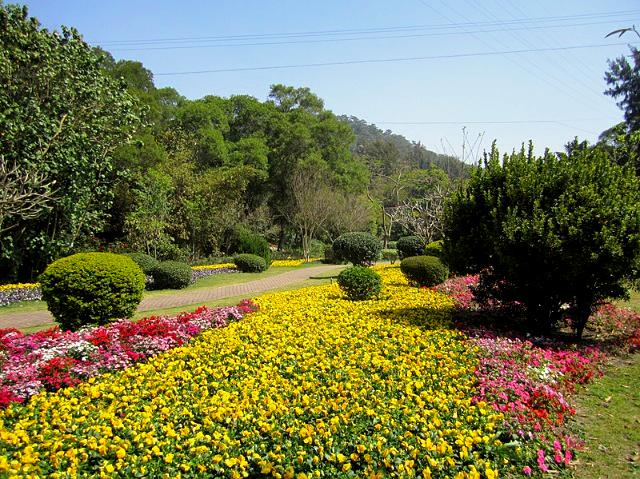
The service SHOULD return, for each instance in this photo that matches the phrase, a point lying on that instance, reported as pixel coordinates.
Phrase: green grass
(609, 415)
(23, 307)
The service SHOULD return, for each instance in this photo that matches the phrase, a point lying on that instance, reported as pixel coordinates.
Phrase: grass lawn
(609, 416)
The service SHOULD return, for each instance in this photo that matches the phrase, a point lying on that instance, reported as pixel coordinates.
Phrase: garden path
(191, 297)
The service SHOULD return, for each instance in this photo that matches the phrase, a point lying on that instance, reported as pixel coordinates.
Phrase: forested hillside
(145, 169)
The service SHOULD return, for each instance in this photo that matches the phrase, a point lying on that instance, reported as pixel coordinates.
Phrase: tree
(557, 233)
(623, 79)
(423, 216)
(24, 195)
(62, 115)
(310, 209)
(148, 223)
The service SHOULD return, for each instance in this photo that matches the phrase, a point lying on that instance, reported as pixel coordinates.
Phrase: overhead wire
(385, 60)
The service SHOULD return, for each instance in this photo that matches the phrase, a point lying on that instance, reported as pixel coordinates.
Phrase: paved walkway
(191, 297)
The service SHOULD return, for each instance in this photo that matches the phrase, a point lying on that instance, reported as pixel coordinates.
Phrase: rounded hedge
(172, 275)
(91, 288)
(359, 283)
(361, 249)
(250, 263)
(244, 241)
(147, 263)
(435, 248)
(409, 246)
(390, 255)
(424, 270)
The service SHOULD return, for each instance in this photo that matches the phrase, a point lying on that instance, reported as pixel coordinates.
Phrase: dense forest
(116, 163)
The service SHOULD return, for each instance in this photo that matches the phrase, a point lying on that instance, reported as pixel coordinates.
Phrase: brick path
(185, 298)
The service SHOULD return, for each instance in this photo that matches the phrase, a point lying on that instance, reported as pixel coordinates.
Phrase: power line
(379, 37)
(489, 122)
(452, 25)
(390, 60)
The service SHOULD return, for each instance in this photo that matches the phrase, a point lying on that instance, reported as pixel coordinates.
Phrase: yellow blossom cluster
(5, 287)
(311, 386)
(292, 262)
(214, 266)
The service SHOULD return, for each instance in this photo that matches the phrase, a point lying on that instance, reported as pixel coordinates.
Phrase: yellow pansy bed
(312, 385)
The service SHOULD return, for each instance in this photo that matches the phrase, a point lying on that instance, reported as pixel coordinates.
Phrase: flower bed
(278, 263)
(314, 385)
(12, 293)
(53, 359)
(311, 382)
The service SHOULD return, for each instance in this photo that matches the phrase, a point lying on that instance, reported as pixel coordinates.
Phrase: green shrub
(392, 245)
(409, 246)
(390, 255)
(147, 263)
(92, 288)
(250, 263)
(330, 256)
(435, 248)
(361, 249)
(424, 270)
(558, 233)
(359, 283)
(241, 241)
(172, 275)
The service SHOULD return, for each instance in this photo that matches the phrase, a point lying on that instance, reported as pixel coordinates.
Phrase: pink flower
(526, 470)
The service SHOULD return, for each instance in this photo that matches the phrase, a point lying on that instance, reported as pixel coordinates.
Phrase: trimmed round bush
(92, 288)
(361, 249)
(244, 241)
(390, 255)
(435, 248)
(424, 270)
(359, 283)
(250, 263)
(147, 263)
(172, 275)
(409, 246)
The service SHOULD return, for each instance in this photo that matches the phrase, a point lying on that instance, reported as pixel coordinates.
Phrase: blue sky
(547, 96)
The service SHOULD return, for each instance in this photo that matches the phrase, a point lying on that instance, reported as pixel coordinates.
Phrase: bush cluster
(390, 255)
(243, 241)
(361, 249)
(409, 246)
(435, 248)
(172, 275)
(250, 263)
(147, 263)
(359, 283)
(92, 288)
(424, 270)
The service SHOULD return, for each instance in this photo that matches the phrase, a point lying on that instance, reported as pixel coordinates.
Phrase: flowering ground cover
(313, 385)
(12, 293)
(52, 359)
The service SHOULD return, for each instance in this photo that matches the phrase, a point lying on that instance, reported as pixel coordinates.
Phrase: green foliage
(361, 249)
(392, 244)
(435, 248)
(243, 240)
(250, 263)
(147, 263)
(360, 283)
(550, 232)
(424, 270)
(62, 115)
(623, 79)
(390, 255)
(92, 288)
(330, 256)
(172, 275)
(409, 246)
